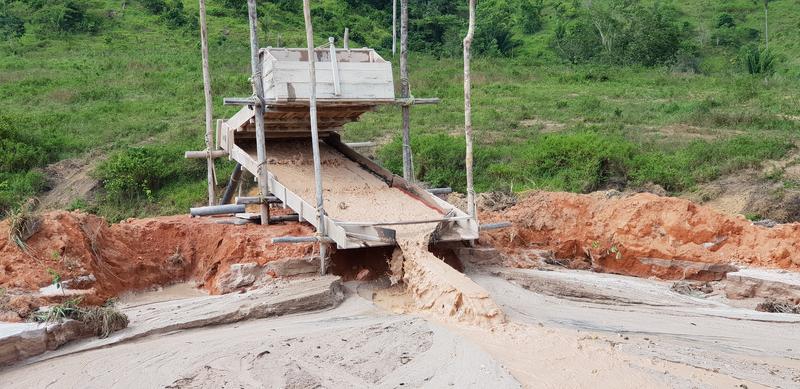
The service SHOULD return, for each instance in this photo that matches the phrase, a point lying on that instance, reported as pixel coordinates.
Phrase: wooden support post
(468, 110)
(312, 73)
(394, 27)
(212, 193)
(346, 38)
(258, 87)
(405, 92)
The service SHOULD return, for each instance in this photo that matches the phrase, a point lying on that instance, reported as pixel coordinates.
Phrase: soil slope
(628, 234)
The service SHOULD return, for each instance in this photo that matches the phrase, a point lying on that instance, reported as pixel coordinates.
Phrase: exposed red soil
(134, 254)
(626, 233)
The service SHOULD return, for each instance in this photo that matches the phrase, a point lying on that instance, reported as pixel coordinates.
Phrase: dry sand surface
(657, 339)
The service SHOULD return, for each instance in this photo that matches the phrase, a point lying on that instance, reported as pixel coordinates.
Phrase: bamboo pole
(312, 102)
(394, 27)
(346, 38)
(258, 87)
(405, 92)
(468, 110)
(212, 195)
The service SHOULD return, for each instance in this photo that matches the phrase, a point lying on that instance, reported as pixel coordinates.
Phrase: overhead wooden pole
(258, 89)
(405, 93)
(468, 111)
(212, 192)
(346, 38)
(394, 27)
(312, 102)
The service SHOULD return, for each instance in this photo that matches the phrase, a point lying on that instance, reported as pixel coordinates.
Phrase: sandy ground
(354, 345)
(629, 333)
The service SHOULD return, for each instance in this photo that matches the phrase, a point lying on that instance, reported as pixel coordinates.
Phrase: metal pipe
(312, 102)
(258, 86)
(216, 210)
(233, 181)
(205, 154)
(438, 191)
(257, 200)
(285, 218)
(300, 239)
(494, 226)
(359, 144)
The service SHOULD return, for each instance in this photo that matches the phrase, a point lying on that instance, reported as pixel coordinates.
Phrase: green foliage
(531, 18)
(101, 321)
(619, 32)
(136, 173)
(156, 7)
(11, 26)
(725, 20)
(580, 161)
(67, 16)
(758, 61)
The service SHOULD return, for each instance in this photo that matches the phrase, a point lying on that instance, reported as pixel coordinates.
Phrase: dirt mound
(101, 261)
(642, 235)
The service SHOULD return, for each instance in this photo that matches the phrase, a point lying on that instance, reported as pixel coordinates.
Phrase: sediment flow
(352, 193)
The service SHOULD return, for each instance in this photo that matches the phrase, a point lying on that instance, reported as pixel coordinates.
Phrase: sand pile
(641, 234)
(102, 260)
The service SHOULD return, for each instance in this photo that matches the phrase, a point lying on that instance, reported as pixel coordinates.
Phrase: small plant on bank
(101, 321)
(23, 223)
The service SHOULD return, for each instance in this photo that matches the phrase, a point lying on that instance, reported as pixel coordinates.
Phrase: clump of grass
(23, 223)
(57, 313)
(778, 306)
(101, 321)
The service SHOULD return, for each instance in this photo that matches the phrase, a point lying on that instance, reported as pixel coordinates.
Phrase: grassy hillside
(126, 84)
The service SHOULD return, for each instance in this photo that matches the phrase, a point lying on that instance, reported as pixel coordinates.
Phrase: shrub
(154, 6)
(68, 16)
(531, 15)
(757, 61)
(137, 173)
(620, 32)
(725, 20)
(438, 159)
(11, 26)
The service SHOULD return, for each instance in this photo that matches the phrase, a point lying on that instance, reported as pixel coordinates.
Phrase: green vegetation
(671, 92)
(101, 321)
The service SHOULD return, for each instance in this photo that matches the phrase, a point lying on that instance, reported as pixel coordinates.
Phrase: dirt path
(70, 180)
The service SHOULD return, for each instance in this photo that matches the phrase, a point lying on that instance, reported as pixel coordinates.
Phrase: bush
(137, 173)
(154, 6)
(620, 32)
(11, 26)
(531, 15)
(68, 16)
(725, 20)
(438, 159)
(757, 61)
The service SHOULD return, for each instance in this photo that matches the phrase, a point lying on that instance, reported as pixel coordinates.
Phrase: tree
(766, 20)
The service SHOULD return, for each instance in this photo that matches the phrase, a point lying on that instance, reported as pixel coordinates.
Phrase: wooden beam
(471, 209)
(212, 195)
(258, 86)
(312, 103)
(405, 93)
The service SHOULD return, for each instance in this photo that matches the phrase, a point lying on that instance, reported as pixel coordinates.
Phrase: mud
(103, 261)
(641, 235)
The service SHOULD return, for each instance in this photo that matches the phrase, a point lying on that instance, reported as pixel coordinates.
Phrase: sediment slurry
(641, 234)
(437, 287)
